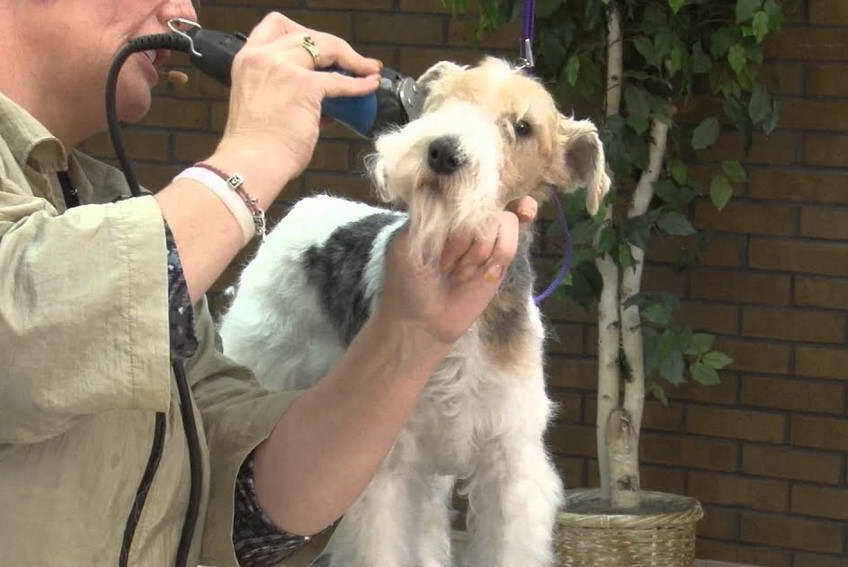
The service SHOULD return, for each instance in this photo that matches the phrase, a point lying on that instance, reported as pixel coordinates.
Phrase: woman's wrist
(264, 177)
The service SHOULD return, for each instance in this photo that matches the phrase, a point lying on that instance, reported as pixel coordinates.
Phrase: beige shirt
(84, 367)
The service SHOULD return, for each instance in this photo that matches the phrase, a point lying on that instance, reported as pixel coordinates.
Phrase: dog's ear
(436, 72)
(579, 161)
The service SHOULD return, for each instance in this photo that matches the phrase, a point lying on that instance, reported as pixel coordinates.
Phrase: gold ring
(309, 45)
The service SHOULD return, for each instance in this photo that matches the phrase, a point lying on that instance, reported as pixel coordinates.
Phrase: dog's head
(488, 135)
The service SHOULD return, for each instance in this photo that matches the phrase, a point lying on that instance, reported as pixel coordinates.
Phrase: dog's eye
(523, 129)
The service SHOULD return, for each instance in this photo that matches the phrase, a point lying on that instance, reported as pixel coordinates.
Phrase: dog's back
(307, 292)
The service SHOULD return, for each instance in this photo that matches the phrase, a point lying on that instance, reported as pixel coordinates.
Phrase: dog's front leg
(514, 496)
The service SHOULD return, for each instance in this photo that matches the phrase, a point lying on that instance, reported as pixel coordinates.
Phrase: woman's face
(79, 38)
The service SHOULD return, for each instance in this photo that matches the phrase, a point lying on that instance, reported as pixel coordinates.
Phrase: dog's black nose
(443, 155)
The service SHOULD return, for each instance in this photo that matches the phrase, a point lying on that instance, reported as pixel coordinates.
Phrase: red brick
(808, 44)
(818, 560)
(690, 452)
(747, 217)
(723, 393)
(804, 185)
(828, 12)
(742, 554)
(820, 222)
(724, 250)
(372, 5)
(719, 523)
(570, 470)
(756, 356)
(795, 533)
(245, 19)
(787, 78)
(780, 148)
(826, 150)
(179, 114)
(821, 292)
(139, 143)
(435, 6)
(793, 324)
(402, 29)
(820, 432)
(664, 279)
(799, 256)
(734, 490)
(220, 111)
(563, 309)
(194, 147)
(827, 79)
(782, 462)
(820, 501)
(661, 479)
(462, 32)
(573, 439)
(415, 60)
(745, 287)
(565, 338)
(812, 114)
(710, 317)
(822, 362)
(792, 394)
(331, 155)
(579, 373)
(736, 424)
(569, 405)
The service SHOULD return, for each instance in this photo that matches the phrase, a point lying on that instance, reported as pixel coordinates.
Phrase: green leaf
(701, 62)
(760, 106)
(717, 360)
(607, 239)
(637, 100)
(760, 26)
(721, 41)
(745, 9)
(657, 313)
(679, 172)
(706, 133)
(625, 255)
(658, 392)
(671, 367)
(646, 48)
(676, 5)
(583, 232)
(775, 14)
(703, 374)
(700, 343)
(675, 224)
(736, 57)
(572, 70)
(720, 191)
(639, 124)
(637, 231)
(734, 171)
(546, 8)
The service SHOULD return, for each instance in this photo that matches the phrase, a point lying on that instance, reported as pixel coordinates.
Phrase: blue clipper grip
(359, 113)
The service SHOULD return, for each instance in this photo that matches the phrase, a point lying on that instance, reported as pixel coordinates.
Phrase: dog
(489, 134)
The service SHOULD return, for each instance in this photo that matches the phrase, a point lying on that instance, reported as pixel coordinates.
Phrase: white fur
(481, 418)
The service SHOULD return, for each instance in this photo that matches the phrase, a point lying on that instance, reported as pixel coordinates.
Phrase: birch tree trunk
(625, 448)
(609, 338)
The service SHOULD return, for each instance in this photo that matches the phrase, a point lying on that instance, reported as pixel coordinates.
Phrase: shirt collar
(29, 141)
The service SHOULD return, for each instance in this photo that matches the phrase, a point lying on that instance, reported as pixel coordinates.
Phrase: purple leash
(565, 266)
(527, 62)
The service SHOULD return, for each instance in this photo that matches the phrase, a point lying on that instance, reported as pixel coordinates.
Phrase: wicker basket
(661, 533)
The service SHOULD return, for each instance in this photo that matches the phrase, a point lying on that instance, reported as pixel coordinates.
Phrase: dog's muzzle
(443, 155)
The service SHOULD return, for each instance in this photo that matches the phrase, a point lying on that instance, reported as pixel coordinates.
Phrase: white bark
(631, 322)
(609, 338)
(624, 460)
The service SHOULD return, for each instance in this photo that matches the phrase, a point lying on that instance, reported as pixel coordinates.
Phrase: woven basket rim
(687, 511)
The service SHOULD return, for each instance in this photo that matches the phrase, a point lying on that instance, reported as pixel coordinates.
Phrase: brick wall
(766, 450)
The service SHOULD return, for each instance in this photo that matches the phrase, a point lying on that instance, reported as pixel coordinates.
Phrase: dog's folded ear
(436, 72)
(579, 161)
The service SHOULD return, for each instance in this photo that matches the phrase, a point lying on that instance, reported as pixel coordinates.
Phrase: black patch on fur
(336, 269)
(505, 316)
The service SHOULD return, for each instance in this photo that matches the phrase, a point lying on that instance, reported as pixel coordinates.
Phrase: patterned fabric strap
(257, 541)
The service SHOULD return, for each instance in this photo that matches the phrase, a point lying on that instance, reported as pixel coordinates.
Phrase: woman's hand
(441, 302)
(275, 100)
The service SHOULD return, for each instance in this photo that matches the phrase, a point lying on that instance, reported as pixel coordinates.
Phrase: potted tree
(638, 65)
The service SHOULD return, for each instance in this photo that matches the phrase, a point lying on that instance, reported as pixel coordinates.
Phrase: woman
(96, 299)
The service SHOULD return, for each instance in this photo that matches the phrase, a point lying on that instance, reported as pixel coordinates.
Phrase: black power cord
(172, 42)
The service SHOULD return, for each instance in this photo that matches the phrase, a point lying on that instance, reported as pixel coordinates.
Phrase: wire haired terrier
(488, 135)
